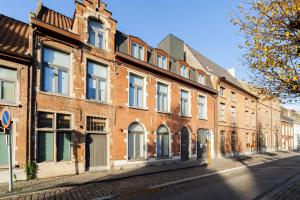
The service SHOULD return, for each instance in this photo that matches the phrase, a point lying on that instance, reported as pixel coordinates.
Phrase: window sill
(98, 102)
(166, 113)
(203, 119)
(137, 159)
(223, 121)
(186, 116)
(10, 104)
(98, 48)
(137, 108)
(55, 94)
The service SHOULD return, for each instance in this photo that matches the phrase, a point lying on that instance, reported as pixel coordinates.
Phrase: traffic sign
(5, 118)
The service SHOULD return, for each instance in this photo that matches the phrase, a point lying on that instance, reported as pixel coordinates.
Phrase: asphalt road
(253, 182)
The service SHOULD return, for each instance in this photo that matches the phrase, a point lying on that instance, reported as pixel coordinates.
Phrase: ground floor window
(136, 141)
(162, 142)
(54, 137)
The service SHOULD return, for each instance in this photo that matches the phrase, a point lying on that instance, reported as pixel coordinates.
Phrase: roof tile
(54, 18)
(14, 35)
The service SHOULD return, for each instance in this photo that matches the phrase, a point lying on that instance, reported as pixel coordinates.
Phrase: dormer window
(183, 71)
(96, 34)
(162, 62)
(201, 79)
(137, 51)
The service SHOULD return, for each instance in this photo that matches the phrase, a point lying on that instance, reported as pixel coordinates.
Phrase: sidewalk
(109, 177)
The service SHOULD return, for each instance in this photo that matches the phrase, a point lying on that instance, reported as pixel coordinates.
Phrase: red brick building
(15, 67)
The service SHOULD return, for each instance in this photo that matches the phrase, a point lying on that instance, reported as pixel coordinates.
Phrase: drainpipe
(30, 88)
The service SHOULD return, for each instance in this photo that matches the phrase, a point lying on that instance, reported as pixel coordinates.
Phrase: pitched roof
(55, 18)
(14, 35)
(215, 68)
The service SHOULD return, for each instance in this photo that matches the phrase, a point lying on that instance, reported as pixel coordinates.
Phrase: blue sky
(203, 24)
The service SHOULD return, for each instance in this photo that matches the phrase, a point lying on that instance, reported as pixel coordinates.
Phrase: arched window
(136, 142)
(96, 34)
(162, 142)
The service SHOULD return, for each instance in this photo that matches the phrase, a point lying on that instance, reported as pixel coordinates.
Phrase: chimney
(231, 71)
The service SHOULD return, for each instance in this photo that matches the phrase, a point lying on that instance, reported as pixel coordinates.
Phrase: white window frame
(137, 54)
(14, 81)
(98, 78)
(168, 96)
(222, 111)
(222, 91)
(161, 61)
(202, 79)
(183, 67)
(145, 94)
(97, 31)
(188, 114)
(56, 70)
(204, 107)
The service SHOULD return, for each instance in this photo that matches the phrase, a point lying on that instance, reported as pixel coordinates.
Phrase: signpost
(6, 121)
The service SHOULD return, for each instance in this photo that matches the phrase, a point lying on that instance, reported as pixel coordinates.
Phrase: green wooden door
(3, 150)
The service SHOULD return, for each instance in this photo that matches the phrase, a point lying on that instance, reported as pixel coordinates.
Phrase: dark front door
(202, 144)
(96, 150)
(223, 143)
(184, 144)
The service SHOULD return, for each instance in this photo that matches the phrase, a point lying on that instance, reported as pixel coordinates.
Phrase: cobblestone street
(133, 185)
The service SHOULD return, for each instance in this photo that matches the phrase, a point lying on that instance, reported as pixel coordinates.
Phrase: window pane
(159, 145)
(63, 121)
(102, 90)
(49, 79)
(45, 120)
(6, 73)
(63, 82)
(165, 144)
(98, 70)
(63, 146)
(165, 103)
(159, 97)
(139, 148)
(91, 88)
(45, 147)
(96, 124)
(8, 91)
(92, 38)
(134, 50)
(141, 53)
(164, 62)
(100, 38)
(130, 145)
(52, 56)
(139, 98)
(131, 95)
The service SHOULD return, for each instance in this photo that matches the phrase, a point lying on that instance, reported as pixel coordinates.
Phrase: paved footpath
(113, 184)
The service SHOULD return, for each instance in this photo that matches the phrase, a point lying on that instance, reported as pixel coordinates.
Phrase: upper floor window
(246, 118)
(202, 111)
(96, 34)
(222, 112)
(253, 119)
(246, 101)
(55, 71)
(136, 91)
(233, 96)
(201, 79)
(162, 62)
(162, 98)
(96, 81)
(233, 114)
(222, 91)
(183, 71)
(184, 103)
(137, 51)
(8, 80)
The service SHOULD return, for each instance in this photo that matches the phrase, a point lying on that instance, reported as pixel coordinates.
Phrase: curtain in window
(45, 146)
(63, 146)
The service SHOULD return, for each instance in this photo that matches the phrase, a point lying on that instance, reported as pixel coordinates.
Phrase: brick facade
(101, 130)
